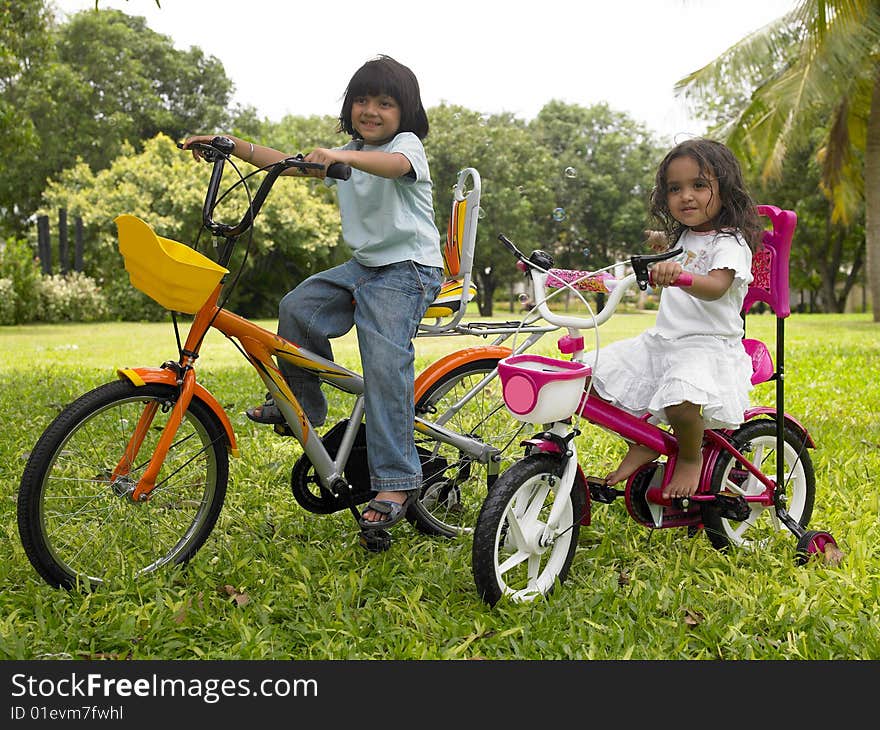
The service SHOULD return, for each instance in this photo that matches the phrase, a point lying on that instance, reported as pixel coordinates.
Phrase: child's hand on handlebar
(665, 273)
(323, 157)
(197, 138)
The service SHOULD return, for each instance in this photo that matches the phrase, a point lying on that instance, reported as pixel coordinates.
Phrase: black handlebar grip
(339, 171)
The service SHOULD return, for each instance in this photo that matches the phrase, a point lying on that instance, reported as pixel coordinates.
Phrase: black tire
(756, 440)
(508, 561)
(77, 527)
(454, 484)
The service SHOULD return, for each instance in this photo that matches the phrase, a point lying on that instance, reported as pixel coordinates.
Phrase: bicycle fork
(559, 439)
(147, 482)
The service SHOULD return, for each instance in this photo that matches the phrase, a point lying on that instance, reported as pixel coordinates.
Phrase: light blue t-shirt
(388, 220)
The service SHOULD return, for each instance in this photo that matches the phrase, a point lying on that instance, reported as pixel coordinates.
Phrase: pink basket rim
(567, 369)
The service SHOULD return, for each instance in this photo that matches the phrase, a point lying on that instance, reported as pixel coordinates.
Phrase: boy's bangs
(374, 81)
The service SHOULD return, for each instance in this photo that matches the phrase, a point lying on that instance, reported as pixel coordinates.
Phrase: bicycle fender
(454, 360)
(141, 376)
(753, 413)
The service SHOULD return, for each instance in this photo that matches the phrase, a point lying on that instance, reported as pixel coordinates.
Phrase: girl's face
(692, 196)
(375, 118)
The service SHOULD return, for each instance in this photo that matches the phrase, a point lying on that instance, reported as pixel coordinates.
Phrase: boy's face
(375, 118)
(692, 195)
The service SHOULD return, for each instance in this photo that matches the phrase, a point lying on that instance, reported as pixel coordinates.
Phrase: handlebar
(218, 151)
(539, 265)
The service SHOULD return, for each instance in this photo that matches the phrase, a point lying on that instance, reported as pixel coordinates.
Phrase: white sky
(296, 56)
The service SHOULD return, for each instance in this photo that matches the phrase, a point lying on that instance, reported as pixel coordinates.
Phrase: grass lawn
(276, 582)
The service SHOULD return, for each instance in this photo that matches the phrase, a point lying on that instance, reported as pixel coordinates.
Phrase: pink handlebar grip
(685, 278)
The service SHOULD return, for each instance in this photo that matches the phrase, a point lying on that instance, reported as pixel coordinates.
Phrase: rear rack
(487, 329)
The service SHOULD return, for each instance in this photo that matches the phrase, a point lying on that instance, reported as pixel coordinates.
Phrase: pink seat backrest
(770, 262)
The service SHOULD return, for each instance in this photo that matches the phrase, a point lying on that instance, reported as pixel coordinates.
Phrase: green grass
(276, 582)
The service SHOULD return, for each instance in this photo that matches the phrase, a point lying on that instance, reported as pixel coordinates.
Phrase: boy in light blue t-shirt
(395, 272)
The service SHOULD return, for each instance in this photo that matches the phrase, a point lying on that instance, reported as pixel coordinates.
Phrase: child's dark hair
(384, 75)
(738, 210)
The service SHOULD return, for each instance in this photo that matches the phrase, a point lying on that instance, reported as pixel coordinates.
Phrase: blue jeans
(385, 304)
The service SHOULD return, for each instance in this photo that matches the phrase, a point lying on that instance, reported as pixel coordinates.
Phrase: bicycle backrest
(458, 255)
(770, 284)
(770, 262)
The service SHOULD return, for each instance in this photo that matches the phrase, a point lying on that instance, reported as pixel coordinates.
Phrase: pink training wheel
(812, 543)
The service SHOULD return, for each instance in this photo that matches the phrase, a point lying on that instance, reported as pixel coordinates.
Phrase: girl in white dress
(690, 370)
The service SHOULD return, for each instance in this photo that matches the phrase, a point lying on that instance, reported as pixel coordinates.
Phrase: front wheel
(78, 525)
(756, 440)
(513, 552)
(466, 400)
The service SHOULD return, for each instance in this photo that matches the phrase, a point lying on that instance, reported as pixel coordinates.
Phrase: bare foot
(397, 497)
(636, 456)
(685, 479)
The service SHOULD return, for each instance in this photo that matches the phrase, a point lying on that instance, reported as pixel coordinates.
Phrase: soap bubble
(570, 173)
(585, 252)
(481, 213)
(559, 214)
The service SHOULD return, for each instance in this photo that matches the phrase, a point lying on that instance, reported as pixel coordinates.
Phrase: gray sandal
(395, 512)
(266, 413)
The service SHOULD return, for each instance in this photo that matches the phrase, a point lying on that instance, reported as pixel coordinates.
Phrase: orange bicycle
(132, 475)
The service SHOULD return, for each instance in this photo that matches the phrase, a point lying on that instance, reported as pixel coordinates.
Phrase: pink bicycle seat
(762, 362)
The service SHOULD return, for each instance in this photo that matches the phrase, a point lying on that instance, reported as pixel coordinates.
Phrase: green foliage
(7, 301)
(24, 44)
(63, 95)
(814, 69)
(70, 297)
(294, 236)
(603, 175)
(127, 304)
(827, 259)
(301, 586)
(302, 134)
(515, 199)
(79, 122)
(19, 267)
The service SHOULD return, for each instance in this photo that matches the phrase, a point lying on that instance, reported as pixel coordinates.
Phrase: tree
(515, 197)
(602, 177)
(821, 60)
(828, 258)
(82, 99)
(25, 45)
(294, 236)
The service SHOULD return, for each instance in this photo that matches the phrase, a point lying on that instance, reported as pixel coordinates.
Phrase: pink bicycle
(756, 480)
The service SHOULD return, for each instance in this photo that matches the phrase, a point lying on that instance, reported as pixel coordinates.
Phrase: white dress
(694, 352)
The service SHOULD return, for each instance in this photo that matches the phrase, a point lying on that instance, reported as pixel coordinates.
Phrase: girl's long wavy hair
(384, 75)
(738, 209)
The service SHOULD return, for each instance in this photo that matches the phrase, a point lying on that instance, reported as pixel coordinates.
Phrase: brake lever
(640, 262)
(209, 152)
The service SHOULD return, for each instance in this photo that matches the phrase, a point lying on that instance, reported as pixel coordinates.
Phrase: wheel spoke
(509, 558)
(75, 524)
(758, 440)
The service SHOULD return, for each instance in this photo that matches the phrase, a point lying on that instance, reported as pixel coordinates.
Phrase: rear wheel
(455, 485)
(512, 553)
(79, 525)
(756, 440)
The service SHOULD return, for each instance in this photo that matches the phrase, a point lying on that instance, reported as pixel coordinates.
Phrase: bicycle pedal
(602, 492)
(282, 429)
(733, 507)
(376, 541)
